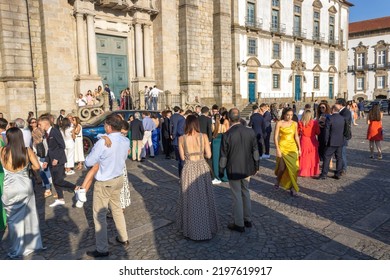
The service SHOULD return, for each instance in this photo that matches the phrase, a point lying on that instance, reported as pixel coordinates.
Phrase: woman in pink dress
(309, 160)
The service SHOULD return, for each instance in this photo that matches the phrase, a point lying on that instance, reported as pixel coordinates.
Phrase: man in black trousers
(343, 110)
(257, 123)
(334, 140)
(55, 159)
(175, 119)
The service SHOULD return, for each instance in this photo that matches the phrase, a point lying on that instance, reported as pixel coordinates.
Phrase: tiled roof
(369, 25)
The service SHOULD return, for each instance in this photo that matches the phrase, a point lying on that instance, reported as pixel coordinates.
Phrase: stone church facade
(52, 50)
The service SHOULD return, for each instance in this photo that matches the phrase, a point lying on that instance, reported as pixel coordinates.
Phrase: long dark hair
(15, 147)
(375, 113)
(192, 124)
(65, 124)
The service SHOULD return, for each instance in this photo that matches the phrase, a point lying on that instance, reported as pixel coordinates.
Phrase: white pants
(69, 152)
(147, 139)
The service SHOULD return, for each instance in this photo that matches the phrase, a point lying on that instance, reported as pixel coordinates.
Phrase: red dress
(374, 132)
(309, 161)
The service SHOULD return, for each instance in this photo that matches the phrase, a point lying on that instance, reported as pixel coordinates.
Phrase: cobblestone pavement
(332, 219)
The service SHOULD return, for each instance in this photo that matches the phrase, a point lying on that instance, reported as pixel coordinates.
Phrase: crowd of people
(210, 145)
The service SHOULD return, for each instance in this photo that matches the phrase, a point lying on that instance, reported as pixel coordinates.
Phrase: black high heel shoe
(293, 194)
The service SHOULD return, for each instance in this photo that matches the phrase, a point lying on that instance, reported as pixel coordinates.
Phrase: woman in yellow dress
(288, 150)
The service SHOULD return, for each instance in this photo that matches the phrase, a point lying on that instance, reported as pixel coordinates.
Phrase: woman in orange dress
(375, 130)
(309, 161)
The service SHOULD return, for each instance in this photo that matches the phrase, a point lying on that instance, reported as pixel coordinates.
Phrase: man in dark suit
(205, 127)
(257, 123)
(334, 140)
(176, 117)
(343, 111)
(166, 134)
(240, 157)
(55, 159)
(137, 134)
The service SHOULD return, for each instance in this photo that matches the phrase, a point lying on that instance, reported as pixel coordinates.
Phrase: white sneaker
(81, 195)
(57, 202)
(79, 204)
(216, 181)
(265, 156)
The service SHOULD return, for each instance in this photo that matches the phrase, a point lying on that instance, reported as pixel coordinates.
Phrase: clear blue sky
(368, 9)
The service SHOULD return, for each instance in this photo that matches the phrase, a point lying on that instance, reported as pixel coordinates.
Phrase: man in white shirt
(19, 123)
(154, 94)
(81, 101)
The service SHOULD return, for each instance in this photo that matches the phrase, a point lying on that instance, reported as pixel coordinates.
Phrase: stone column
(139, 53)
(81, 46)
(92, 45)
(147, 52)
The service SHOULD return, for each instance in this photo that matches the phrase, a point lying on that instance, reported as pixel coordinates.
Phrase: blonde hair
(306, 117)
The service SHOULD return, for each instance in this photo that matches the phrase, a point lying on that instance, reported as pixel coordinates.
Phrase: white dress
(69, 147)
(78, 147)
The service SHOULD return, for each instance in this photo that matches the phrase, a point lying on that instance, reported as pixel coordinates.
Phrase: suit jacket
(334, 130)
(137, 130)
(56, 147)
(175, 118)
(166, 128)
(257, 123)
(348, 118)
(205, 126)
(267, 120)
(239, 153)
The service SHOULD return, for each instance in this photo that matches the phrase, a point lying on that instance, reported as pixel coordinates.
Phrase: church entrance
(112, 62)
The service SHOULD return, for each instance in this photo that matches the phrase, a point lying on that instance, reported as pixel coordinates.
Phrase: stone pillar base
(87, 82)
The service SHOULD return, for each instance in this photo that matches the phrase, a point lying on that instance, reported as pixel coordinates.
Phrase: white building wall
(265, 41)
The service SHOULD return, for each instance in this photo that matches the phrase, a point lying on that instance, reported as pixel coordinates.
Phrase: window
(331, 29)
(252, 47)
(316, 25)
(380, 82)
(275, 3)
(381, 58)
(298, 53)
(250, 13)
(275, 81)
(360, 84)
(297, 20)
(360, 60)
(317, 56)
(316, 82)
(276, 51)
(332, 58)
(275, 20)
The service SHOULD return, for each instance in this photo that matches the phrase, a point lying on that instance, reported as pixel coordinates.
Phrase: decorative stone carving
(298, 66)
(277, 65)
(317, 4)
(317, 68)
(332, 10)
(85, 113)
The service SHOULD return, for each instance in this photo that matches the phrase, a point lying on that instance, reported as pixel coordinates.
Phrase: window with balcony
(360, 83)
(250, 13)
(380, 82)
(316, 25)
(276, 51)
(317, 56)
(276, 81)
(332, 58)
(252, 47)
(316, 82)
(298, 53)
(297, 20)
(360, 60)
(381, 61)
(331, 29)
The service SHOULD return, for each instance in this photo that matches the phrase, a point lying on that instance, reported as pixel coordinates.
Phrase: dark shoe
(236, 228)
(247, 224)
(337, 177)
(124, 243)
(97, 254)
(321, 177)
(293, 193)
(151, 157)
(343, 173)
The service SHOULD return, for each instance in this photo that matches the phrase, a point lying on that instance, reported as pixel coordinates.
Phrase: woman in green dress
(218, 129)
(3, 221)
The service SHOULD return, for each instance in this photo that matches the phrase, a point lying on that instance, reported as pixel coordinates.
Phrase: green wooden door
(298, 89)
(112, 62)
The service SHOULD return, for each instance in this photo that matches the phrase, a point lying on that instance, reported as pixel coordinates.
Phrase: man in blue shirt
(149, 126)
(108, 185)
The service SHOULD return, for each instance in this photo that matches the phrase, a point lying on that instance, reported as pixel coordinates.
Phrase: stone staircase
(247, 111)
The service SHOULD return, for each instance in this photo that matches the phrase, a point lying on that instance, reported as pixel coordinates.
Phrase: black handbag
(41, 151)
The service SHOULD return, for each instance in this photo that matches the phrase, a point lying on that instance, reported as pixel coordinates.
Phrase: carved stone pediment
(317, 68)
(332, 10)
(298, 65)
(317, 4)
(360, 48)
(277, 65)
(332, 69)
(253, 62)
(381, 45)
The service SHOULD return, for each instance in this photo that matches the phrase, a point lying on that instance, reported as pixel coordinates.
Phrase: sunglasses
(33, 122)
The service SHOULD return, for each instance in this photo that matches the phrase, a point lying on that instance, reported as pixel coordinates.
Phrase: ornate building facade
(227, 52)
(368, 59)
